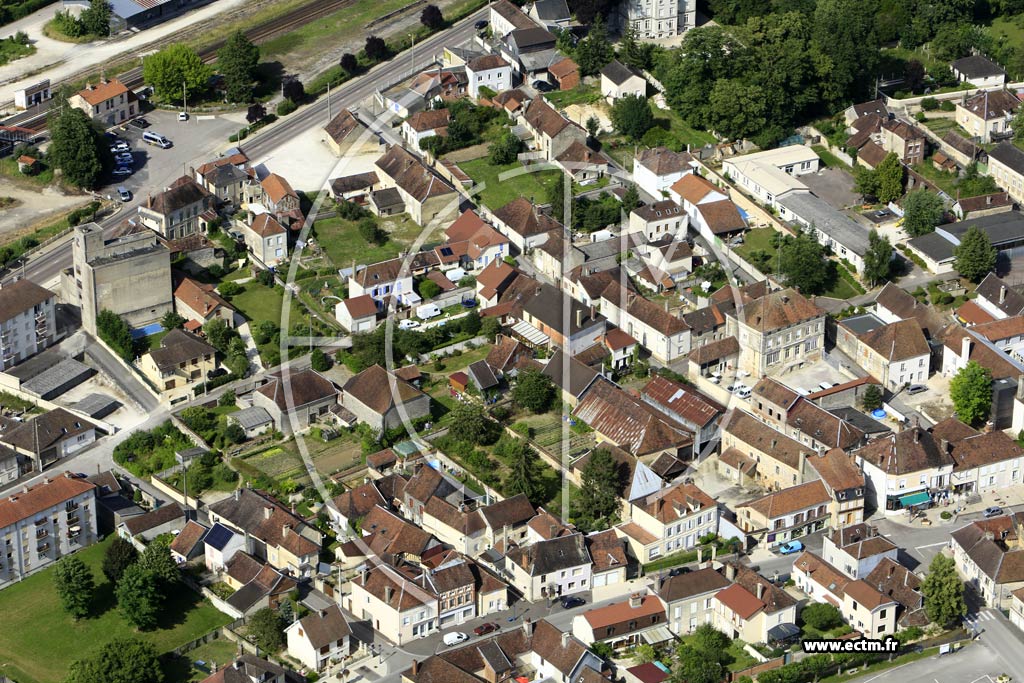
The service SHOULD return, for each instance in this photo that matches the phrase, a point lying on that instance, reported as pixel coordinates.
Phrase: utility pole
(412, 51)
(184, 97)
(328, 101)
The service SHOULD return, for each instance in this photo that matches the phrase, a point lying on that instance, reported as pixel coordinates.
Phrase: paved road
(126, 380)
(975, 663)
(1000, 635)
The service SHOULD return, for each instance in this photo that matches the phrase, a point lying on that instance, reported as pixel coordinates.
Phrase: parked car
(734, 387)
(791, 547)
(481, 25)
(123, 193)
(469, 303)
(542, 86)
(408, 324)
(993, 511)
(484, 629)
(124, 158)
(183, 116)
(139, 123)
(882, 213)
(120, 146)
(916, 389)
(454, 638)
(743, 391)
(676, 571)
(570, 601)
(121, 172)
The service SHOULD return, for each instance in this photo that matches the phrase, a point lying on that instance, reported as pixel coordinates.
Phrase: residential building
(982, 461)
(988, 116)
(220, 548)
(772, 174)
(640, 619)
(346, 135)
(863, 606)
(752, 607)
(844, 482)
(552, 133)
(585, 165)
(140, 530)
(894, 580)
(833, 229)
(550, 13)
(28, 321)
(979, 71)
(983, 205)
(183, 209)
(44, 439)
(897, 354)
(128, 274)
(319, 638)
(671, 520)
(687, 406)
(425, 124)
(606, 549)
(903, 469)
(188, 544)
(108, 102)
(43, 523)
(506, 17)
(488, 71)
(383, 400)
(530, 51)
(664, 20)
(200, 302)
(989, 556)
(664, 335)
(1006, 166)
(425, 194)
(565, 72)
(259, 585)
(857, 550)
(181, 361)
(656, 169)
(265, 238)
(688, 598)
(780, 330)
(904, 139)
(484, 244)
(357, 314)
(661, 220)
(391, 281)
(619, 80)
(296, 399)
(523, 224)
(778, 460)
(249, 668)
(997, 298)
(393, 603)
(784, 515)
(550, 568)
(544, 312)
(226, 177)
(275, 195)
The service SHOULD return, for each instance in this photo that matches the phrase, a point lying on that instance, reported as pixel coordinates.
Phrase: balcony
(42, 548)
(42, 533)
(72, 520)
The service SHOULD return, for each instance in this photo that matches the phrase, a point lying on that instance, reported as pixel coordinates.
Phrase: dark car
(571, 601)
(676, 571)
(216, 372)
(139, 123)
(484, 629)
(542, 86)
(481, 25)
(469, 303)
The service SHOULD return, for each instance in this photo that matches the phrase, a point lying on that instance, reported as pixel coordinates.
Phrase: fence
(753, 671)
(446, 350)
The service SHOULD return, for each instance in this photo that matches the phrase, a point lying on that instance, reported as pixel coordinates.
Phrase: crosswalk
(980, 616)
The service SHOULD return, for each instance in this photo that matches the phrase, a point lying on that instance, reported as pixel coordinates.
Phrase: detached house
(383, 400)
(863, 606)
(182, 359)
(619, 80)
(484, 244)
(753, 608)
(319, 638)
(296, 400)
(108, 102)
(781, 329)
(688, 598)
(488, 71)
(552, 133)
(226, 177)
(201, 303)
(183, 209)
(657, 169)
(425, 194)
(347, 135)
(896, 354)
(988, 115)
(266, 239)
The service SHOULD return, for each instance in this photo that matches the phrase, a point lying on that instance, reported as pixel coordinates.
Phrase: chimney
(635, 600)
(238, 665)
(538, 290)
(389, 593)
(944, 445)
(238, 494)
(565, 640)
(917, 434)
(1002, 294)
(730, 572)
(989, 536)
(700, 555)
(268, 511)
(285, 528)
(579, 317)
(803, 460)
(415, 667)
(593, 311)
(149, 202)
(760, 590)
(528, 627)
(714, 552)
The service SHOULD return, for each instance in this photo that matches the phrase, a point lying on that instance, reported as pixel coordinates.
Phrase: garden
(146, 453)
(497, 191)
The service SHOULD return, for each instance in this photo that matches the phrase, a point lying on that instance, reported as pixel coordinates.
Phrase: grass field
(259, 302)
(943, 125)
(581, 94)
(38, 641)
(10, 49)
(341, 240)
(497, 192)
(758, 239)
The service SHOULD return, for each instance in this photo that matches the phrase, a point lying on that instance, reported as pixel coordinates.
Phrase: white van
(427, 311)
(454, 638)
(156, 139)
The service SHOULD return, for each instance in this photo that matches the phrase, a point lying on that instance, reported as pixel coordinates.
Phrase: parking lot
(834, 186)
(810, 377)
(933, 403)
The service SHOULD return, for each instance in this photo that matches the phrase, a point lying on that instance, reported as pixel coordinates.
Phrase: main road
(45, 266)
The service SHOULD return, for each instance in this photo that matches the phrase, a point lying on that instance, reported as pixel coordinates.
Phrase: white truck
(427, 311)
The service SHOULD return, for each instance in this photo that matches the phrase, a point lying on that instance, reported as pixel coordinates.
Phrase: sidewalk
(251, 352)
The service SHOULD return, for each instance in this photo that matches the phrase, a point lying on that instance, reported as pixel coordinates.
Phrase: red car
(484, 629)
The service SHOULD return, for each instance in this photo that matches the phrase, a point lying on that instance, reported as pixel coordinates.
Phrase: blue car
(791, 547)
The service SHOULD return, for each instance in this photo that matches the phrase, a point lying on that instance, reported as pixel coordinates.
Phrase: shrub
(929, 104)
(947, 105)
(286, 107)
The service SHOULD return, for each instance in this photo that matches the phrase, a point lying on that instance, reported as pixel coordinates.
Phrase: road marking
(931, 545)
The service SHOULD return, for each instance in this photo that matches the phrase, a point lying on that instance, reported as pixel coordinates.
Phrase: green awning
(912, 499)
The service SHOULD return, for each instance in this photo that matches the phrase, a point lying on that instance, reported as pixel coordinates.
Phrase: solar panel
(219, 536)
(446, 251)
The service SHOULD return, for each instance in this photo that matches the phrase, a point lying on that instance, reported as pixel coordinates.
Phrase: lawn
(737, 659)
(9, 169)
(220, 652)
(941, 126)
(581, 94)
(11, 49)
(341, 240)
(259, 302)
(495, 191)
(845, 285)
(758, 239)
(39, 641)
(829, 159)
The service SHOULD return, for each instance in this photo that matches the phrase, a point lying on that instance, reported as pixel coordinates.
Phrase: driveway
(128, 382)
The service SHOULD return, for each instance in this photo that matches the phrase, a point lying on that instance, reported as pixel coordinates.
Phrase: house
(623, 624)
(265, 238)
(530, 51)
(28, 321)
(221, 545)
(989, 556)
(903, 469)
(272, 533)
(960, 345)
(51, 519)
(575, 381)
(552, 133)
(141, 529)
(253, 421)
(188, 544)
(664, 335)
(261, 586)
(781, 329)
(357, 314)
(382, 400)
(863, 606)
(988, 116)
(275, 194)
(632, 425)
(550, 568)
(523, 224)
(200, 302)
(484, 244)
(619, 80)
(671, 19)
(356, 187)
(982, 461)
(894, 580)
(391, 281)
(248, 668)
(752, 607)
(488, 71)
(845, 484)
(856, 111)
(505, 17)
(997, 298)
(606, 549)
(692, 190)
(296, 399)
(183, 209)
(543, 312)
(566, 73)
(772, 174)
(687, 406)
(395, 604)
(108, 102)
(896, 354)
(657, 169)
(550, 13)
(1006, 166)
(584, 164)
(346, 135)
(668, 521)
(182, 360)
(983, 205)
(425, 194)
(857, 550)
(226, 177)
(49, 437)
(425, 124)
(905, 140)
(319, 638)
(979, 71)
(661, 220)
(779, 459)
(688, 598)
(780, 516)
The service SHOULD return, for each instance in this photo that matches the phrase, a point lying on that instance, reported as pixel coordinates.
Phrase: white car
(408, 324)
(454, 638)
(743, 391)
(732, 388)
(183, 116)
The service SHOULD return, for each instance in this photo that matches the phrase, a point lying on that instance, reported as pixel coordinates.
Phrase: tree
(267, 629)
(865, 181)
(237, 62)
(556, 197)
(1017, 126)
(872, 398)
(139, 597)
(294, 90)
(710, 642)
(845, 38)
(505, 149)
(593, 127)
(821, 616)
(943, 592)
(922, 211)
(122, 660)
(522, 474)
(802, 261)
(877, 259)
(95, 19)
(171, 320)
(971, 392)
(369, 231)
(156, 559)
(432, 18)
(319, 361)
(234, 433)
(490, 327)
(75, 148)
(471, 323)
(429, 289)
(533, 391)
(693, 666)
(256, 112)
(913, 76)
(349, 63)
(376, 49)
(890, 178)
(73, 583)
(114, 331)
(226, 399)
(597, 505)
(120, 555)
(172, 66)
(630, 199)
(595, 50)
(974, 257)
(632, 116)
(737, 108)
(632, 51)
(470, 424)
(219, 334)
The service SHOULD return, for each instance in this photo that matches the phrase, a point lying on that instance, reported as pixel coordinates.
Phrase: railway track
(35, 119)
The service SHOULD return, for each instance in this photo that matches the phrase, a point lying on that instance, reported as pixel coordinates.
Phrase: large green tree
(971, 392)
(595, 50)
(267, 628)
(533, 391)
(597, 505)
(845, 38)
(175, 66)
(138, 596)
(877, 259)
(505, 148)
(821, 615)
(889, 176)
(118, 556)
(974, 257)
(632, 116)
(522, 474)
(737, 109)
(74, 585)
(96, 18)
(156, 559)
(237, 62)
(75, 148)
(922, 211)
(122, 660)
(802, 261)
(693, 666)
(943, 592)
(470, 423)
